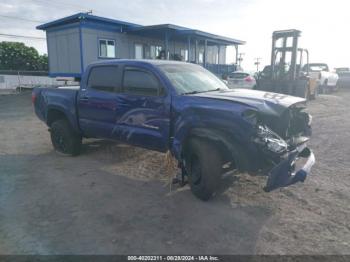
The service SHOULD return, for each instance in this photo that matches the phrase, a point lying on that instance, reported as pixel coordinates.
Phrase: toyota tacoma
(211, 130)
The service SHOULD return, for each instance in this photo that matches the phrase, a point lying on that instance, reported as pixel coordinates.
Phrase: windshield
(317, 67)
(191, 79)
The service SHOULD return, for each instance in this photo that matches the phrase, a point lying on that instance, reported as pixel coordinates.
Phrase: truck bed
(47, 99)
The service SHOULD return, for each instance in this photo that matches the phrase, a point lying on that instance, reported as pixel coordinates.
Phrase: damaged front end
(282, 141)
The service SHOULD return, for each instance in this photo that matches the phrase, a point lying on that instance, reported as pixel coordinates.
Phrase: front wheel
(64, 139)
(203, 166)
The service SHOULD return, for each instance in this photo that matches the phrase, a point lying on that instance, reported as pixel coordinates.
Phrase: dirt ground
(116, 199)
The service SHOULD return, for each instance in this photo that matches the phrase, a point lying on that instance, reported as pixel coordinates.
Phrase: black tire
(64, 139)
(203, 167)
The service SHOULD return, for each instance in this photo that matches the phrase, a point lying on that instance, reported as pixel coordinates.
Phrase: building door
(138, 51)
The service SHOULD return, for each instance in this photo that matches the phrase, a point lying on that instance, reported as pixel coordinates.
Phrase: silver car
(240, 79)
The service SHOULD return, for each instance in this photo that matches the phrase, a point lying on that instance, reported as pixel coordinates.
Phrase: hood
(265, 102)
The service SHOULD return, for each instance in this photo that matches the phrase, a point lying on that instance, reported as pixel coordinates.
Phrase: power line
(55, 4)
(63, 3)
(23, 19)
(23, 36)
(78, 8)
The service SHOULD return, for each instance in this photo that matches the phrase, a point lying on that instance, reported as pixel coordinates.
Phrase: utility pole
(240, 59)
(257, 63)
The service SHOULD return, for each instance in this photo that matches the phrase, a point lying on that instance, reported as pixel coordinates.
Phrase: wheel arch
(226, 143)
(54, 114)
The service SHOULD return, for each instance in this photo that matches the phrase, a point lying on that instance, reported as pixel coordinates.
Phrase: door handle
(84, 98)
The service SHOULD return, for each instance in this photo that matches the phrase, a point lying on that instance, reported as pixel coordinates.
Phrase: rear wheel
(64, 139)
(203, 166)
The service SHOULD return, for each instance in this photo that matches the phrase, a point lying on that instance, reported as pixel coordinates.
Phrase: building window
(138, 51)
(106, 48)
(184, 54)
(155, 51)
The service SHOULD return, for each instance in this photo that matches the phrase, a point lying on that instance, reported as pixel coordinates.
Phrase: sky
(324, 24)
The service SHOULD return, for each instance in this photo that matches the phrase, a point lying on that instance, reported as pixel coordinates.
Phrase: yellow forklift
(285, 74)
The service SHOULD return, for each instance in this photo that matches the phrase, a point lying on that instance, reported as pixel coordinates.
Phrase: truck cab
(327, 79)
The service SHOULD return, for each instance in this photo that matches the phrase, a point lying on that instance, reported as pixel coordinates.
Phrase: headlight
(276, 145)
(273, 142)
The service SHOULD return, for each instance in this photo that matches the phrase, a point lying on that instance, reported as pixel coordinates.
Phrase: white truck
(327, 80)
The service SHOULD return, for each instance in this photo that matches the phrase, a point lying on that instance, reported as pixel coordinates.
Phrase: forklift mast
(285, 74)
(283, 36)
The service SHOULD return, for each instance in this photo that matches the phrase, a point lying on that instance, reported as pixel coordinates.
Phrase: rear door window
(140, 82)
(104, 78)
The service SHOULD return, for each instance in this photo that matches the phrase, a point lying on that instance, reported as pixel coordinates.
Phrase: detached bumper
(284, 174)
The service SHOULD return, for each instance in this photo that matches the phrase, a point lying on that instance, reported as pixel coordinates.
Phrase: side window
(140, 82)
(104, 78)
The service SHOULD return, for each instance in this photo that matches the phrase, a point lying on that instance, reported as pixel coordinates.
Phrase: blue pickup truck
(211, 130)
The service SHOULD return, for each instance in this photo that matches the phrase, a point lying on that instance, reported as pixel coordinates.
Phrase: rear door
(98, 101)
(143, 113)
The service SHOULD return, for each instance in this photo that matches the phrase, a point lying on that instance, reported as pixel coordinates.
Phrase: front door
(143, 110)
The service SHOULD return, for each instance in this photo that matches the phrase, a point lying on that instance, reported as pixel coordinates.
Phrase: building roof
(84, 16)
(151, 30)
(184, 32)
